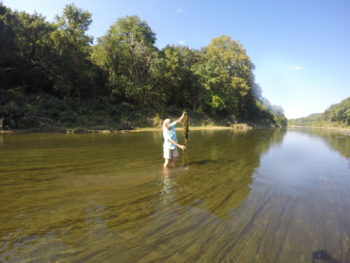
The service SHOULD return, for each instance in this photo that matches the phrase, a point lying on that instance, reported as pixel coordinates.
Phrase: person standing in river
(170, 141)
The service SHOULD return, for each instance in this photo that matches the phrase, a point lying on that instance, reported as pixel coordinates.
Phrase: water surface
(259, 196)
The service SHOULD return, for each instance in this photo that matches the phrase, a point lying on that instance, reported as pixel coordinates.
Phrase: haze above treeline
(52, 75)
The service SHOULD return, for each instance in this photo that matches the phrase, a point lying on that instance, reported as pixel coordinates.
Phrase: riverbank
(343, 130)
(192, 128)
(236, 127)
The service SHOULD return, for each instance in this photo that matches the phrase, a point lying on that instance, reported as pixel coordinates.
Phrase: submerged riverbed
(256, 196)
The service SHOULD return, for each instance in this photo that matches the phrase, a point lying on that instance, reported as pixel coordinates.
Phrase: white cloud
(179, 10)
(181, 42)
(297, 67)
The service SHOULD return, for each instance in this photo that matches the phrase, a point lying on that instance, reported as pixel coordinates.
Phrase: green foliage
(339, 112)
(217, 104)
(52, 75)
(336, 115)
(157, 121)
(127, 52)
(72, 46)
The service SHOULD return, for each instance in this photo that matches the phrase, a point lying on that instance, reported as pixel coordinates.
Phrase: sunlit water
(260, 196)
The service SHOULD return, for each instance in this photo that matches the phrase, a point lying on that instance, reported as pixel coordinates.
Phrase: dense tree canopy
(53, 74)
(126, 53)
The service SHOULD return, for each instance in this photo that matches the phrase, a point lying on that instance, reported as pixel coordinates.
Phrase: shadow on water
(323, 256)
(204, 162)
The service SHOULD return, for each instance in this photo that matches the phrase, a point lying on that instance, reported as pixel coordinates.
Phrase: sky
(301, 48)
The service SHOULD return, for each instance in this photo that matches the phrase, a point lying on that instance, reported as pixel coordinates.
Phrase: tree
(53, 72)
(127, 52)
(23, 50)
(180, 84)
(73, 76)
(233, 77)
(7, 51)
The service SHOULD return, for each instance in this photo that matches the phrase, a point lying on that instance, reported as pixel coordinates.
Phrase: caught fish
(186, 129)
(186, 132)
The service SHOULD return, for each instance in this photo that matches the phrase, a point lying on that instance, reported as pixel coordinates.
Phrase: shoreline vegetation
(334, 128)
(235, 127)
(238, 127)
(55, 77)
(337, 116)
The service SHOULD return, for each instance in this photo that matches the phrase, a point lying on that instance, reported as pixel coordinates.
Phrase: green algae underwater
(256, 196)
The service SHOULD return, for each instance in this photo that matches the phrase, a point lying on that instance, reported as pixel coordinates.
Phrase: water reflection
(167, 187)
(337, 140)
(219, 181)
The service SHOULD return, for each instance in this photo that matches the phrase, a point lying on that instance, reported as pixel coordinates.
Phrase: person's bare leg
(166, 161)
(174, 161)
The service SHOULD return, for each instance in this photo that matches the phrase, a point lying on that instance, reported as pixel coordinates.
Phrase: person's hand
(182, 147)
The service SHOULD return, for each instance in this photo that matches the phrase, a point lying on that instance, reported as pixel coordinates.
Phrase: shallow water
(259, 196)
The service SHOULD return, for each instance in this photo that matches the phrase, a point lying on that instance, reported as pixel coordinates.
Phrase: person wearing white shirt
(170, 141)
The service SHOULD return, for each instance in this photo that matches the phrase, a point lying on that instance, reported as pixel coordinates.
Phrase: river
(256, 196)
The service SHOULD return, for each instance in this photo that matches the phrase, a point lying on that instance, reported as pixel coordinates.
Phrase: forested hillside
(53, 75)
(337, 115)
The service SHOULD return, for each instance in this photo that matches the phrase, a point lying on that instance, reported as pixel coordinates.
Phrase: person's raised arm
(181, 118)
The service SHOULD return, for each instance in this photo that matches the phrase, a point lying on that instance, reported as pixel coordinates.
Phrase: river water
(257, 196)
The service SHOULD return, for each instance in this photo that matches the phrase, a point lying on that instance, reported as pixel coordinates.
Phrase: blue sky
(301, 48)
